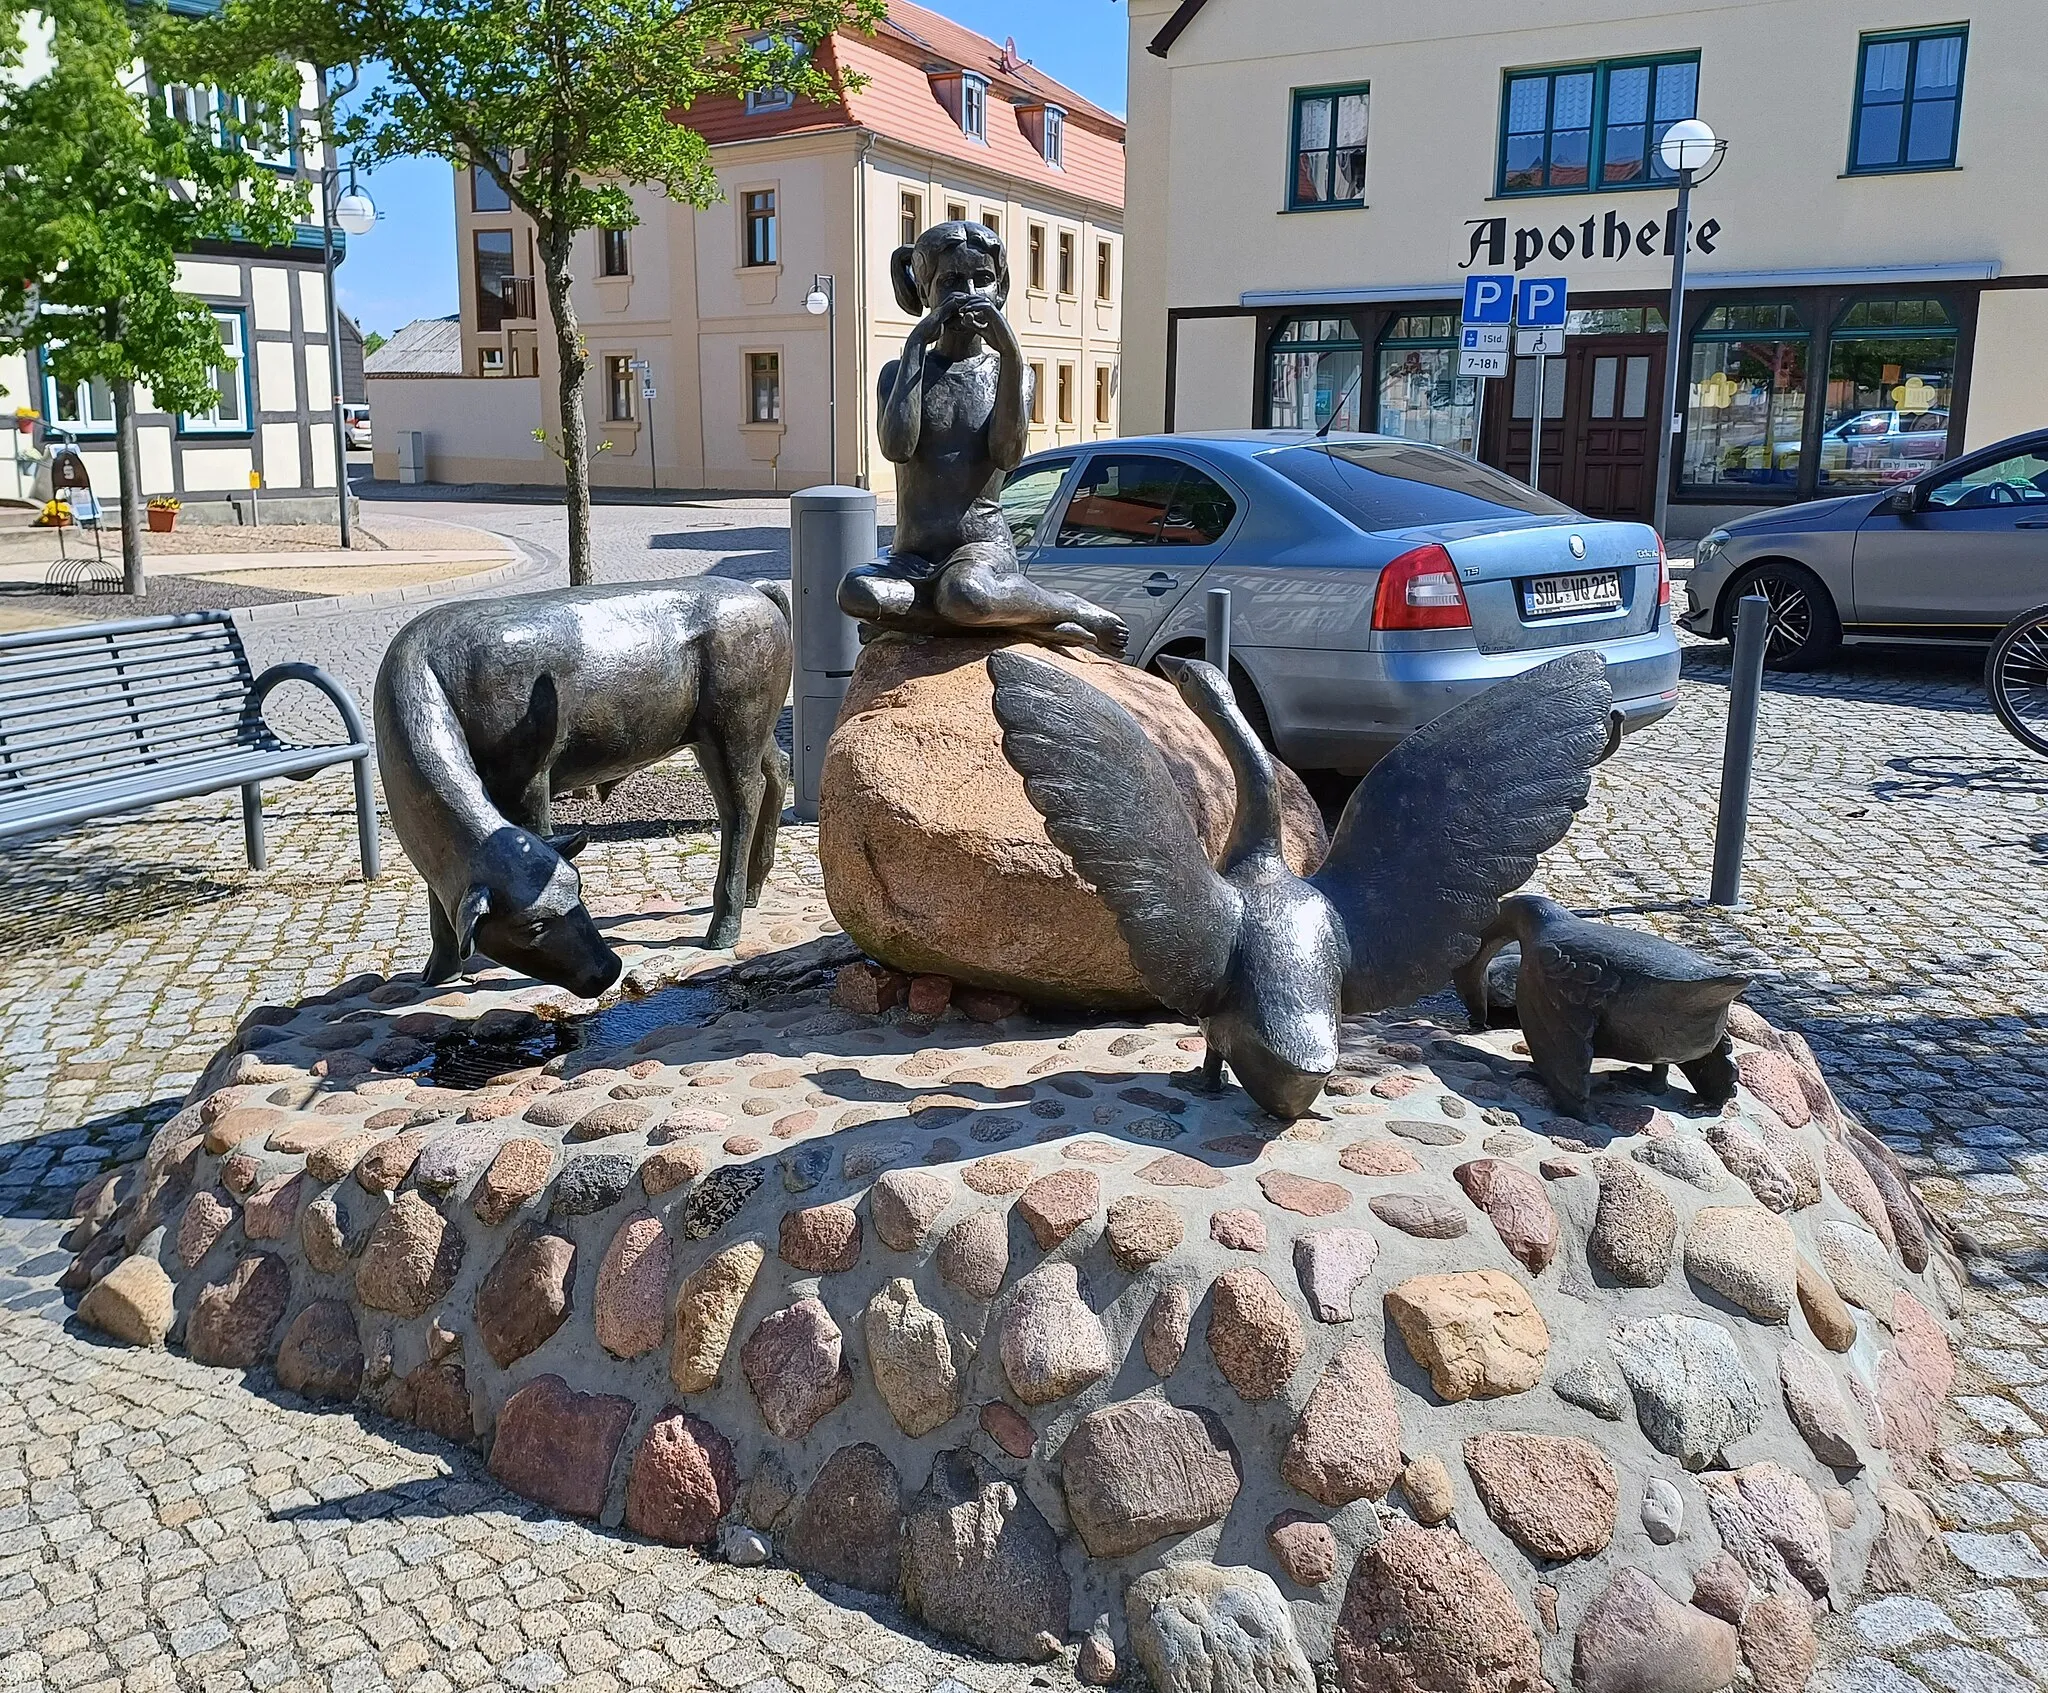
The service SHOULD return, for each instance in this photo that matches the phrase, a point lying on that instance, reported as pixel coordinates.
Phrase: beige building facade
(1868, 284)
(750, 389)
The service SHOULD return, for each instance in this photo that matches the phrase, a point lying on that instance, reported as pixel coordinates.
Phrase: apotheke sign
(1494, 244)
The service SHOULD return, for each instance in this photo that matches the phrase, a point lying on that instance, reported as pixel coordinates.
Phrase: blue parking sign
(1489, 299)
(1542, 303)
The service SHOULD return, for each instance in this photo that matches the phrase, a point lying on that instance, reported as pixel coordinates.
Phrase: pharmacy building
(1867, 280)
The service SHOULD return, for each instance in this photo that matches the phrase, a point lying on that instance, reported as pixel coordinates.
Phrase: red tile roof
(899, 103)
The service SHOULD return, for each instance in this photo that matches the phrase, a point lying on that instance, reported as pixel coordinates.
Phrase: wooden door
(1612, 403)
(1512, 441)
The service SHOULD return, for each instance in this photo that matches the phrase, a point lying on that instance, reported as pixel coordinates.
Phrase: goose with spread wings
(1269, 962)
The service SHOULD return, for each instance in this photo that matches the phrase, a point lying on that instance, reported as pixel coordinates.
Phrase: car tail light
(1419, 590)
(1663, 574)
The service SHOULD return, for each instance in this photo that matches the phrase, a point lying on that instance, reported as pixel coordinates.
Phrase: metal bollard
(1745, 689)
(1216, 644)
(830, 531)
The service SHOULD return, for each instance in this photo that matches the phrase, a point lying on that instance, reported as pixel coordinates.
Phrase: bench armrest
(294, 671)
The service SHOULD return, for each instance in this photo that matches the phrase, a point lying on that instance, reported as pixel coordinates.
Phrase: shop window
(1034, 256)
(1421, 395)
(614, 253)
(1615, 320)
(1105, 271)
(764, 387)
(1329, 147)
(759, 211)
(493, 251)
(1066, 261)
(1312, 374)
(1909, 95)
(618, 388)
(1891, 369)
(1745, 402)
(1593, 126)
(230, 414)
(486, 194)
(910, 216)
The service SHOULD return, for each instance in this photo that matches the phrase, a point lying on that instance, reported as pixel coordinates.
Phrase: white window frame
(1054, 148)
(974, 107)
(206, 102)
(212, 423)
(747, 359)
(85, 423)
(490, 361)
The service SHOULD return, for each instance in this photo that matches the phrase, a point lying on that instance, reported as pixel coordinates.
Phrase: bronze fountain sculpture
(1585, 990)
(1268, 962)
(955, 413)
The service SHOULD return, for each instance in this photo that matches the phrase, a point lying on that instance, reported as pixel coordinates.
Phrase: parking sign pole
(1536, 426)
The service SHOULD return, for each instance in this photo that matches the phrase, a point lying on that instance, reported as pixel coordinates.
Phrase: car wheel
(1805, 629)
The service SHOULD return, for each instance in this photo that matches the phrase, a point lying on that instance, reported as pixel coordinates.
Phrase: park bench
(100, 719)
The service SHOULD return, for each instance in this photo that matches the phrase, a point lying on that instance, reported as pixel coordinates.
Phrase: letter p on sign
(1489, 299)
(1542, 303)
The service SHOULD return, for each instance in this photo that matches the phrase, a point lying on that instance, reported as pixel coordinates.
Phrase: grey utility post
(1738, 756)
(830, 531)
(1216, 644)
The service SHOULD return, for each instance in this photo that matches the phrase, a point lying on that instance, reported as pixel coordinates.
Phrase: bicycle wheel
(2016, 678)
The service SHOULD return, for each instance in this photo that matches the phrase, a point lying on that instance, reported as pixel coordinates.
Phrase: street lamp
(1691, 152)
(822, 301)
(355, 214)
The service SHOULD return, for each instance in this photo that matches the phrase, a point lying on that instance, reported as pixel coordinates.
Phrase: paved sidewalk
(1898, 873)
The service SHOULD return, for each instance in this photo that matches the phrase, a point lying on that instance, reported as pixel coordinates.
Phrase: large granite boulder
(934, 860)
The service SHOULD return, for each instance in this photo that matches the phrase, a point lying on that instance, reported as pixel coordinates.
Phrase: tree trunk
(573, 361)
(128, 458)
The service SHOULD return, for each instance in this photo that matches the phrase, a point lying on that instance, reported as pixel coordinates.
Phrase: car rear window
(1404, 485)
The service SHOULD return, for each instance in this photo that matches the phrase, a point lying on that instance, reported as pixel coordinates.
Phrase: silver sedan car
(1949, 557)
(1375, 582)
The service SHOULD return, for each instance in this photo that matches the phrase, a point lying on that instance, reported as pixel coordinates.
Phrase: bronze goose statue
(1586, 990)
(1267, 961)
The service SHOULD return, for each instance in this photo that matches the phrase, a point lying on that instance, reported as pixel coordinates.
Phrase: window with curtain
(614, 253)
(1312, 374)
(1745, 401)
(910, 215)
(1891, 369)
(1329, 147)
(1595, 126)
(764, 387)
(1421, 395)
(1909, 95)
(618, 388)
(759, 208)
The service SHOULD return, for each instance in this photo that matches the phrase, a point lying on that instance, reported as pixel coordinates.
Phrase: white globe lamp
(817, 302)
(355, 212)
(1687, 145)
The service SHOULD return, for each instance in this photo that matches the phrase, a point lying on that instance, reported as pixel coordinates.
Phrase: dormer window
(770, 99)
(974, 106)
(1045, 127)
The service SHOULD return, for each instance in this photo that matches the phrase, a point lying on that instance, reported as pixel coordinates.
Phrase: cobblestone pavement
(1897, 875)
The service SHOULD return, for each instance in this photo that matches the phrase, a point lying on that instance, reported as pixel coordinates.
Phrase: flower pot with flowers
(163, 515)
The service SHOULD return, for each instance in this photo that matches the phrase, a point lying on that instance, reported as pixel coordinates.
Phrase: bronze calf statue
(488, 709)
(1584, 991)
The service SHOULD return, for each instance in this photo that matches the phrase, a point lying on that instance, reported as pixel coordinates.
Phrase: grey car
(1375, 582)
(1949, 557)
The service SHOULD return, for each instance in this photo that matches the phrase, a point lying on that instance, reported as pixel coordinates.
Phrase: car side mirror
(1902, 502)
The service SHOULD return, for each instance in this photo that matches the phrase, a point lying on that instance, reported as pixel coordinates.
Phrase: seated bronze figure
(954, 417)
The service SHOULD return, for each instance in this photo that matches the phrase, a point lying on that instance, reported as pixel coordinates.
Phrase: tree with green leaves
(566, 104)
(101, 188)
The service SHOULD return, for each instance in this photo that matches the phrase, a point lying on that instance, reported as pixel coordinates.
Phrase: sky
(405, 267)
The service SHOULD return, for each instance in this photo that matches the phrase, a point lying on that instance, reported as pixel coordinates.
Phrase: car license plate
(1589, 590)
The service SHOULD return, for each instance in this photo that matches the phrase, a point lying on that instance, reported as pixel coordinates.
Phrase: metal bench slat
(113, 748)
(184, 698)
(27, 699)
(35, 816)
(108, 657)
